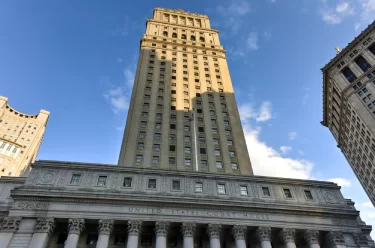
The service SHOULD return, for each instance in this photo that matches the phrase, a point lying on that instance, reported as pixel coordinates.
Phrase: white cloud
(331, 18)
(342, 7)
(264, 112)
(235, 7)
(117, 98)
(292, 135)
(341, 182)
(336, 14)
(247, 112)
(252, 41)
(129, 74)
(285, 149)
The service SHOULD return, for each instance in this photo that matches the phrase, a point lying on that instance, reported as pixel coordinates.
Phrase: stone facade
(349, 105)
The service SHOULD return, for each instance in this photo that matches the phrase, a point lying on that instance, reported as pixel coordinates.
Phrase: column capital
(239, 232)
(311, 236)
(213, 230)
(45, 225)
(105, 226)
(188, 229)
(10, 224)
(264, 233)
(134, 227)
(336, 238)
(76, 225)
(161, 228)
(288, 235)
(360, 239)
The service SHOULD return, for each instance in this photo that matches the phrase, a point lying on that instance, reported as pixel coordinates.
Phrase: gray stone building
(349, 105)
(184, 178)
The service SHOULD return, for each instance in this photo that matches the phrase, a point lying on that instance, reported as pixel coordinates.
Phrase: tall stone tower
(183, 114)
(20, 138)
(349, 105)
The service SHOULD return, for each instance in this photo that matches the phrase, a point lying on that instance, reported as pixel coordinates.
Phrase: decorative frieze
(161, 228)
(213, 230)
(134, 227)
(76, 226)
(288, 235)
(336, 238)
(311, 236)
(10, 224)
(188, 229)
(263, 233)
(45, 225)
(239, 232)
(31, 205)
(360, 239)
(105, 226)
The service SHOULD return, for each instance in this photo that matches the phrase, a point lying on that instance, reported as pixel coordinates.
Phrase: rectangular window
(75, 179)
(156, 147)
(232, 154)
(349, 74)
(151, 184)
(217, 153)
(221, 188)
(202, 150)
(141, 146)
(139, 158)
(176, 185)
(308, 194)
(172, 148)
(187, 162)
(127, 182)
(228, 132)
(243, 190)
(230, 142)
(362, 63)
(155, 159)
(215, 141)
(204, 163)
(172, 160)
(372, 48)
(186, 128)
(235, 166)
(198, 187)
(219, 164)
(157, 136)
(172, 126)
(172, 137)
(187, 149)
(266, 191)
(287, 193)
(102, 180)
(187, 138)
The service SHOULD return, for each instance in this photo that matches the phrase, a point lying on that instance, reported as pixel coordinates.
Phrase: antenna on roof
(337, 49)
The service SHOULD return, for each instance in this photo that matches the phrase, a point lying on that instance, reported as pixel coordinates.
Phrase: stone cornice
(181, 12)
(117, 169)
(20, 180)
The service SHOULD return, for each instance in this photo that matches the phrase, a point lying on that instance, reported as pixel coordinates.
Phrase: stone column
(336, 239)
(42, 232)
(10, 225)
(264, 236)
(312, 238)
(239, 233)
(361, 239)
(105, 228)
(288, 235)
(188, 231)
(75, 227)
(161, 231)
(213, 231)
(134, 229)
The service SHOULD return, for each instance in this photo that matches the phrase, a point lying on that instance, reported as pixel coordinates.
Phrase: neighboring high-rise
(20, 138)
(183, 96)
(349, 105)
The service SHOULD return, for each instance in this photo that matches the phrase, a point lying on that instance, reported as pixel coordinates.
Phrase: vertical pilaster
(105, 228)
(10, 225)
(161, 231)
(43, 230)
(188, 231)
(264, 236)
(213, 231)
(75, 227)
(288, 235)
(312, 238)
(134, 229)
(239, 233)
(336, 239)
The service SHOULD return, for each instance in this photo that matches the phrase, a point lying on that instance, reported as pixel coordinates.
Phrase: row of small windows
(176, 185)
(183, 36)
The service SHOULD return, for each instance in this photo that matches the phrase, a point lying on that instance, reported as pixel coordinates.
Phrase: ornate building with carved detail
(184, 177)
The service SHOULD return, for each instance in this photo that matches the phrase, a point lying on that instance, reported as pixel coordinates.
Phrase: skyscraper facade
(349, 105)
(20, 138)
(183, 114)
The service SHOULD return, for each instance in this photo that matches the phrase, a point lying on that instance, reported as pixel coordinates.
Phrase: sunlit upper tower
(183, 114)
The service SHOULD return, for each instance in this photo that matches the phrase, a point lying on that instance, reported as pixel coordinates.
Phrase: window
(155, 159)
(362, 63)
(158, 125)
(213, 121)
(202, 150)
(102, 180)
(187, 149)
(243, 190)
(201, 129)
(143, 124)
(127, 182)
(176, 185)
(172, 160)
(151, 184)
(287, 193)
(159, 116)
(266, 191)
(172, 137)
(157, 136)
(139, 158)
(217, 153)
(172, 126)
(349, 74)
(144, 114)
(172, 148)
(228, 132)
(75, 179)
(372, 48)
(230, 142)
(367, 98)
(308, 194)
(232, 154)
(186, 128)
(221, 188)
(156, 147)
(198, 187)
(234, 166)
(141, 146)
(187, 162)
(362, 91)
(204, 163)
(215, 141)
(202, 140)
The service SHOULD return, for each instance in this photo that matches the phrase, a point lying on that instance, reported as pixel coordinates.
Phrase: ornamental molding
(134, 227)
(161, 228)
(10, 224)
(288, 235)
(336, 238)
(311, 236)
(344, 222)
(188, 229)
(76, 226)
(45, 225)
(264, 233)
(360, 239)
(213, 231)
(31, 205)
(105, 227)
(239, 232)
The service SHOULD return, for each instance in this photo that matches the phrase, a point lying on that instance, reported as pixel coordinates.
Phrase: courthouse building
(184, 177)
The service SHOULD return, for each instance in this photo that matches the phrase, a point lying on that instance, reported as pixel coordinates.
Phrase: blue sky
(77, 60)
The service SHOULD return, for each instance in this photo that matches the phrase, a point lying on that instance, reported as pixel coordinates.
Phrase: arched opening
(201, 39)
(165, 34)
(183, 36)
(174, 35)
(192, 38)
